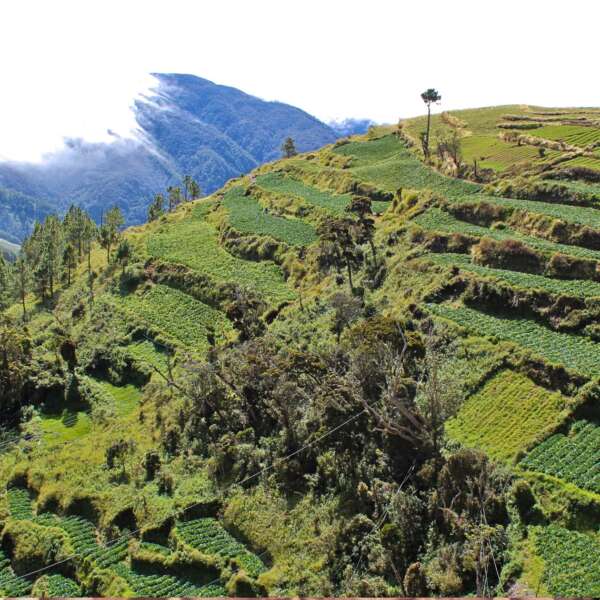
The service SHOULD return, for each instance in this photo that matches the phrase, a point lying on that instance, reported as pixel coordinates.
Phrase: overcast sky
(73, 67)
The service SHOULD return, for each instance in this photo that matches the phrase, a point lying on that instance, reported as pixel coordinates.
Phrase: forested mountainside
(187, 126)
(345, 373)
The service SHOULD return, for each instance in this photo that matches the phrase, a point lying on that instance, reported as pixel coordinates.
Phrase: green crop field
(526, 281)
(570, 214)
(158, 585)
(491, 152)
(436, 219)
(248, 216)
(19, 503)
(194, 243)
(280, 184)
(208, 536)
(56, 586)
(503, 429)
(571, 561)
(10, 584)
(574, 457)
(179, 316)
(390, 165)
(588, 162)
(576, 135)
(573, 351)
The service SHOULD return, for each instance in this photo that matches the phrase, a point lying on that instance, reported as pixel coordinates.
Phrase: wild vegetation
(368, 370)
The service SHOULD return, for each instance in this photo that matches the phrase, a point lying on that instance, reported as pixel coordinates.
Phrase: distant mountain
(187, 125)
(350, 126)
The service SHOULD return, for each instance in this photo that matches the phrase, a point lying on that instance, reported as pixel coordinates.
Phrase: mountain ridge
(187, 126)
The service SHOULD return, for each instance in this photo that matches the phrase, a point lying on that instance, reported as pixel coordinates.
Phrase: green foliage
(526, 281)
(504, 429)
(10, 584)
(158, 585)
(179, 316)
(280, 184)
(574, 457)
(208, 536)
(576, 135)
(571, 561)
(248, 216)
(19, 503)
(436, 219)
(56, 586)
(490, 152)
(194, 243)
(573, 351)
(391, 165)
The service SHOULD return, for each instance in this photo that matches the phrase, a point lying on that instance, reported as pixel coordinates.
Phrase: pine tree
(195, 190)
(156, 208)
(289, 148)
(124, 253)
(174, 197)
(6, 284)
(51, 254)
(109, 232)
(69, 261)
(74, 225)
(22, 281)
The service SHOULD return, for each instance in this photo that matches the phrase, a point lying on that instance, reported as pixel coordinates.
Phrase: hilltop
(187, 125)
(353, 371)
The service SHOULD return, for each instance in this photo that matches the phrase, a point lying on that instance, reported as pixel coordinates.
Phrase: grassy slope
(519, 411)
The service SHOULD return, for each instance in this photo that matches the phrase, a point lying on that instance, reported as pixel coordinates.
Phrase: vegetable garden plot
(573, 351)
(389, 164)
(154, 586)
(248, 216)
(571, 561)
(19, 503)
(57, 586)
(195, 244)
(506, 415)
(574, 457)
(208, 536)
(526, 281)
(180, 316)
(576, 135)
(10, 584)
(436, 219)
(276, 182)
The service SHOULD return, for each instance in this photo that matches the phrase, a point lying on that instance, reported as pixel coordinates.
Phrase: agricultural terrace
(248, 216)
(574, 457)
(504, 428)
(517, 279)
(491, 152)
(286, 186)
(571, 561)
(195, 243)
(179, 316)
(572, 351)
(436, 219)
(389, 164)
(208, 536)
(575, 135)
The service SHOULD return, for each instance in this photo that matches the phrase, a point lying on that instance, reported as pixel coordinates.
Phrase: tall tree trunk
(24, 307)
(349, 275)
(428, 127)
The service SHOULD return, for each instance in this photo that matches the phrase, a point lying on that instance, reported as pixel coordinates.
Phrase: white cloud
(72, 68)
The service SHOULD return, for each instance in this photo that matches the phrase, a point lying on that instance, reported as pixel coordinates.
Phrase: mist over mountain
(350, 126)
(187, 125)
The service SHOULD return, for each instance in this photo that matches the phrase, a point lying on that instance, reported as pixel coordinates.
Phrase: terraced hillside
(345, 373)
